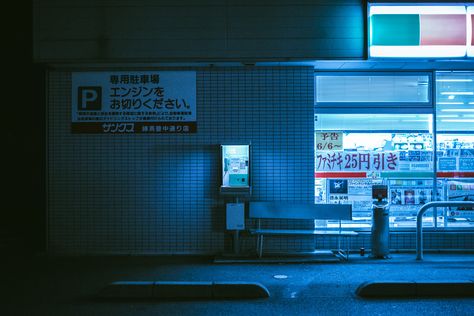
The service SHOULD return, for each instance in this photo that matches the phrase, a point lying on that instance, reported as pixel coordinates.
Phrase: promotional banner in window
(357, 161)
(134, 102)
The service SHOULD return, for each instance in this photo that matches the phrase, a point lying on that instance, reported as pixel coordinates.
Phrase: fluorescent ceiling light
(458, 121)
(457, 110)
(451, 103)
(453, 80)
(457, 116)
(458, 93)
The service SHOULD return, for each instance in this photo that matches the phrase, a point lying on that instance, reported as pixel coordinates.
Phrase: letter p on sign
(89, 98)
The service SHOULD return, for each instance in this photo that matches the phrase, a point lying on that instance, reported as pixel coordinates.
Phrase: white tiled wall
(159, 193)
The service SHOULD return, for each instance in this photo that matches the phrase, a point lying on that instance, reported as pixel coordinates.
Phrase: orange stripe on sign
(442, 29)
(340, 175)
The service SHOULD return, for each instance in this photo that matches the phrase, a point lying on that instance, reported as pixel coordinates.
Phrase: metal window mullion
(435, 149)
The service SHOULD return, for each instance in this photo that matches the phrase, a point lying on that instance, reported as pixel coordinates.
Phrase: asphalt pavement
(45, 285)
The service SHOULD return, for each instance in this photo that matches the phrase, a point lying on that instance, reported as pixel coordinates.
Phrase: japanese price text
(356, 161)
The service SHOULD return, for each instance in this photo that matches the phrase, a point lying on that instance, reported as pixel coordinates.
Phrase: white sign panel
(235, 216)
(329, 140)
(134, 102)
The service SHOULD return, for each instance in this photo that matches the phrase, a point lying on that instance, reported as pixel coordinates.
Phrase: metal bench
(301, 210)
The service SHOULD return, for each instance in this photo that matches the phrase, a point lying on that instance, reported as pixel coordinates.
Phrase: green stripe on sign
(395, 29)
(408, 174)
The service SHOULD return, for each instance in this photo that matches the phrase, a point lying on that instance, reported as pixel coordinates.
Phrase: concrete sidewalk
(69, 285)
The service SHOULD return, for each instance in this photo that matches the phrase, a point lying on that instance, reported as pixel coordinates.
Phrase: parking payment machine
(235, 175)
(380, 222)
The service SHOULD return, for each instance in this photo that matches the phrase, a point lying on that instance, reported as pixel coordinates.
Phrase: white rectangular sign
(357, 161)
(134, 102)
(329, 140)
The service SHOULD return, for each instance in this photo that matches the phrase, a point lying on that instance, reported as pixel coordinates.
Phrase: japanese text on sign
(329, 140)
(356, 161)
(134, 102)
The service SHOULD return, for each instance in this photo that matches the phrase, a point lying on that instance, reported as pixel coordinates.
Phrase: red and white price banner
(330, 160)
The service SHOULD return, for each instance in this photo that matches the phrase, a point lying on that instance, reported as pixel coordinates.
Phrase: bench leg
(348, 242)
(339, 242)
(260, 246)
(257, 244)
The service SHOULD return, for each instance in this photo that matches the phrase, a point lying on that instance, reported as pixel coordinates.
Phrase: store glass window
(455, 146)
(360, 145)
(354, 152)
(372, 88)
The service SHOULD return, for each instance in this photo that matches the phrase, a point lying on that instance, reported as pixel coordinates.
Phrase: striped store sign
(421, 31)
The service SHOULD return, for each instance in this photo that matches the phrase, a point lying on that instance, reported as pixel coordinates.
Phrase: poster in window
(395, 196)
(422, 197)
(338, 186)
(409, 196)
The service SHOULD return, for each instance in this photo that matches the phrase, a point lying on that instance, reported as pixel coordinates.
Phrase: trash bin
(380, 223)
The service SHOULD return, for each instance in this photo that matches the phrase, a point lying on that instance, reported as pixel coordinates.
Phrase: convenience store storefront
(410, 130)
(323, 131)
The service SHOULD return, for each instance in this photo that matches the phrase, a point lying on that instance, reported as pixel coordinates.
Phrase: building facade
(279, 75)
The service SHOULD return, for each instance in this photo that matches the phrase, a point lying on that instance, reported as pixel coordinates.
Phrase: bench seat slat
(302, 232)
(299, 210)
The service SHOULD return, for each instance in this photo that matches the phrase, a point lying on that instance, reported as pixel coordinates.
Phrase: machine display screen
(235, 165)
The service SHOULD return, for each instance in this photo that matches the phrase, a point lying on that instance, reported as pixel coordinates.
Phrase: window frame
(393, 108)
(368, 107)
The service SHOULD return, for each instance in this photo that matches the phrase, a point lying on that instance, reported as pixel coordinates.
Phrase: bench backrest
(300, 210)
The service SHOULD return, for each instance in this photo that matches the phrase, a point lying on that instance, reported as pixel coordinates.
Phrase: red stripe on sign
(455, 174)
(442, 29)
(340, 175)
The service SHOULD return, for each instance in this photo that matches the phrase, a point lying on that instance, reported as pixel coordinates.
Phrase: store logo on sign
(89, 98)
